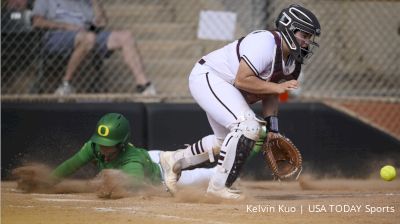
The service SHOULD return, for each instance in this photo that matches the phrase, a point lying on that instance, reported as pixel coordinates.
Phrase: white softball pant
(222, 102)
(188, 177)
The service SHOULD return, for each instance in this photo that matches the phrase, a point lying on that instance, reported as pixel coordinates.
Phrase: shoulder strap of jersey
(278, 54)
(238, 47)
(278, 60)
(296, 72)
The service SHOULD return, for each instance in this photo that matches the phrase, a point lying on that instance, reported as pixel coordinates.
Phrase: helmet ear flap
(278, 19)
(122, 145)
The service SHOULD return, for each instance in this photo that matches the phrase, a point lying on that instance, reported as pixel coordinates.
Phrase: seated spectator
(75, 27)
(19, 5)
(16, 16)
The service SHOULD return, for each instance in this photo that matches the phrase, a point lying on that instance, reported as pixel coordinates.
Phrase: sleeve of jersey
(258, 51)
(78, 160)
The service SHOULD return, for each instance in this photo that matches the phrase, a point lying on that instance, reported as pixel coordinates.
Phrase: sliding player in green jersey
(110, 149)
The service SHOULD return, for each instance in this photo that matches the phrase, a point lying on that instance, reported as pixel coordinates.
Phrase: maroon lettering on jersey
(277, 75)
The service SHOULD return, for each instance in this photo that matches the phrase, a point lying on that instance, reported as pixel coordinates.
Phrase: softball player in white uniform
(259, 66)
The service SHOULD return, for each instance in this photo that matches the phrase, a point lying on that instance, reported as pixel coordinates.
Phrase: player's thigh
(220, 132)
(59, 42)
(222, 101)
(118, 38)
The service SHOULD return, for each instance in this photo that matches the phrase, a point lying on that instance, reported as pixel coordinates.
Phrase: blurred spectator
(16, 16)
(75, 27)
(18, 5)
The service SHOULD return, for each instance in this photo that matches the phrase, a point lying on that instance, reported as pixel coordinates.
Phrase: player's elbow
(238, 84)
(241, 84)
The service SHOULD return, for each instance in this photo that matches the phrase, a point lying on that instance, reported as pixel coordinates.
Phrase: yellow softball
(388, 173)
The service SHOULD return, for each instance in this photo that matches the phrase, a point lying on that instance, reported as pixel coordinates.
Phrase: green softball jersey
(133, 161)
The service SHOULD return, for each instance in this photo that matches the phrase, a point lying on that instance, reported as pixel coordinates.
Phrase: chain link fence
(358, 58)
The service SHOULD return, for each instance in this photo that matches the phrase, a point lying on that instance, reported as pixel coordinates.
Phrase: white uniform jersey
(258, 49)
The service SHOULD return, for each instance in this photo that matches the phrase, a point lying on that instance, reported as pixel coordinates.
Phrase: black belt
(202, 61)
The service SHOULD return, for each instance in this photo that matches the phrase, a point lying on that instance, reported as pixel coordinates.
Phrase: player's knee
(250, 128)
(91, 39)
(125, 37)
(248, 125)
(87, 40)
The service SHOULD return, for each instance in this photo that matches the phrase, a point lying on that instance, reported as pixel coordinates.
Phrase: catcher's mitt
(283, 157)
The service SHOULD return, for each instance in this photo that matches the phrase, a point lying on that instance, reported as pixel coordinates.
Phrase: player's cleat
(224, 192)
(235, 190)
(171, 169)
(235, 187)
(64, 89)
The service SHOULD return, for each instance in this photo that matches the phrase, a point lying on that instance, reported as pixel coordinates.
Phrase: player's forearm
(252, 84)
(68, 167)
(76, 186)
(247, 80)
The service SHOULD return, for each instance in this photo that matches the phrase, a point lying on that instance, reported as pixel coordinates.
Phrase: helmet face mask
(312, 44)
(292, 20)
(112, 130)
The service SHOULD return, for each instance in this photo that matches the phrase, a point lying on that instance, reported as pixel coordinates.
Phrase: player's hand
(272, 135)
(288, 86)
(34, 178)
(112, 184)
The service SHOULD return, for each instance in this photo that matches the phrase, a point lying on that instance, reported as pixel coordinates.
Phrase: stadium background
(355, 71)
(357, 63)
(345, 119)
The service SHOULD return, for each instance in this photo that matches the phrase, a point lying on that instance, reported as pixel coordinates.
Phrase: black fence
(331, 142)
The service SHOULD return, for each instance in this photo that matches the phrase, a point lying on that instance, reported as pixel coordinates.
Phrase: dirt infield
(307, 201)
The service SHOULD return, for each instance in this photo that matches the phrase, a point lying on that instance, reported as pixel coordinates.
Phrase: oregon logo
(103, 130)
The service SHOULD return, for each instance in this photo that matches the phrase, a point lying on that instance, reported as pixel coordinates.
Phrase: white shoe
(64, 89)
(147, 89)
(171, 169)
(224, 192)
(235, 190)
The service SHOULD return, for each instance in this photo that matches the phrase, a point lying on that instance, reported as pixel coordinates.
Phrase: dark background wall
(50, 133)
(331, 142)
